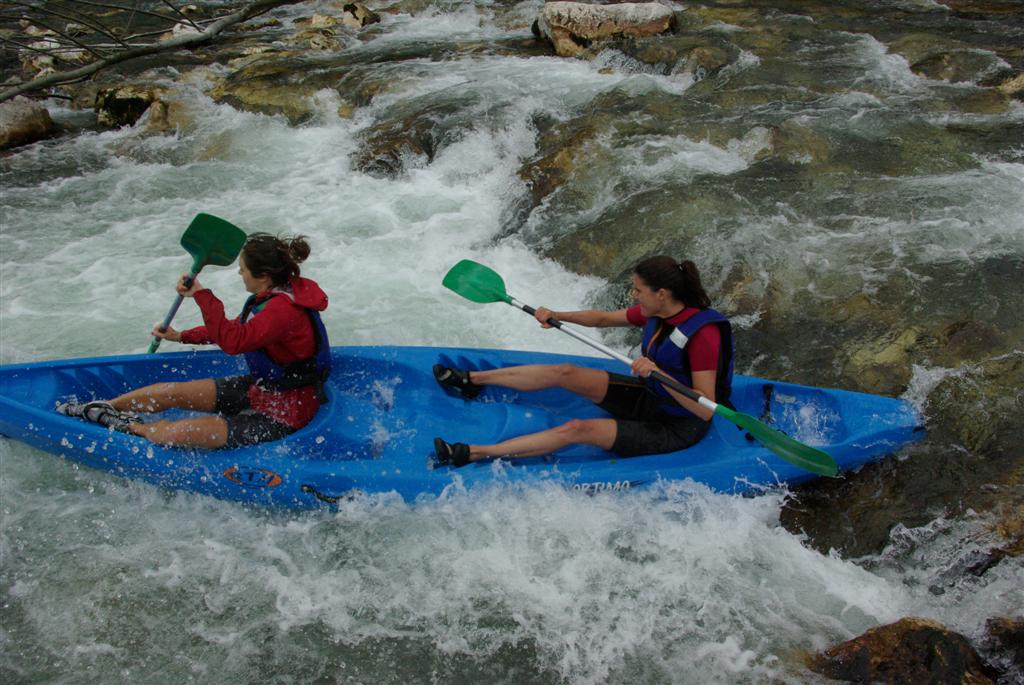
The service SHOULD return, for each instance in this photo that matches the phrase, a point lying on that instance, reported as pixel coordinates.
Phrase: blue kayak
(375, 435)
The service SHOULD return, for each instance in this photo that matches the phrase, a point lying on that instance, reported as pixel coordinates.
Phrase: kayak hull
(376, 433)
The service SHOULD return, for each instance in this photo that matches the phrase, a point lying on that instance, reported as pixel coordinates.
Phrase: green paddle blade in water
(476, 282)
(797, 453)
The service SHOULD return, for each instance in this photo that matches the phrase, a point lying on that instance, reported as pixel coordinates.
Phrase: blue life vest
(665, 344)
(314, 370)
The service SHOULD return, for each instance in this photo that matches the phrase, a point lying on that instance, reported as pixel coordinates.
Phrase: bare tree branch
(134, 9)
(56, 31)
(187, 41)
(180, 14)
(98, 28)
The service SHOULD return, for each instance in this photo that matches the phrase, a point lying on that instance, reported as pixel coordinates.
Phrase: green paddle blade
(476, 282)
(212, 240)
(796, 453)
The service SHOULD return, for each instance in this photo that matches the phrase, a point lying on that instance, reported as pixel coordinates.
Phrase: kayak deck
(376, 432)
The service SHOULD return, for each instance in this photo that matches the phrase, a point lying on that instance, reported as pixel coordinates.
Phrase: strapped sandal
(101, 412)
(451, 453)
(458, 380)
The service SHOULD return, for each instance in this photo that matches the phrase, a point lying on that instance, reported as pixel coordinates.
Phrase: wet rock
(959, 66)
(124, 105)
(316, 39)
(280, 83)
(317, 21)
(561, 151)
(573, 27)
(409, 139)
(912, 650)
(23, 121)
(795, 142)
(410, 7)
(918, 47)
(980, 403)
(601, 248)
(1004, 643)
(711, 14)
(966, 341)
(166, 115)
(1013, 87)
(702, 55)
(356, 15)
(882, 365)
(1011, 519)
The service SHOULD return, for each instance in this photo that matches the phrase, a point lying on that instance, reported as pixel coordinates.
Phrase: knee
(155, 431)
(160, 432)
(574, 431)
(564, 371)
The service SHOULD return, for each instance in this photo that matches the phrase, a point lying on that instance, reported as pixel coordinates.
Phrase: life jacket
(665, 344)
(314, 370)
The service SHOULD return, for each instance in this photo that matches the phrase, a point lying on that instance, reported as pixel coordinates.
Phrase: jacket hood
(302, 291)
(308, 294)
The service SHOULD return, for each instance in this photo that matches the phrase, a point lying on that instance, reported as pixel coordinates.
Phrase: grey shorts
(246, 426)
(641, 426)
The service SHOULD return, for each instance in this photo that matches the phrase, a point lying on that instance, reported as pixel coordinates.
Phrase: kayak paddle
(210, 240)
(479, 283)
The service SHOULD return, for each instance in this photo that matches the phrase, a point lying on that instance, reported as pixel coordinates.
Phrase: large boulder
(274, 83)
(912, 650)
(23, 121)
(572, 27)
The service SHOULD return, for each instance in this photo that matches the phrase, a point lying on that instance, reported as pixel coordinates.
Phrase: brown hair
(682, 279)
(278, 258)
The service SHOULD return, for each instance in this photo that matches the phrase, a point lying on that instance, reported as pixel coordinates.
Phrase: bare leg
(209, 432)
(199, 395)
(600, 432)
(590, 383)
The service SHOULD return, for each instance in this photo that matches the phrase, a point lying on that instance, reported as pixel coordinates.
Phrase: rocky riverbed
(847, 224)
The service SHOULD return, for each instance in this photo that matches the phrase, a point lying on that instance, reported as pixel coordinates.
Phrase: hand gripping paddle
(210, 240)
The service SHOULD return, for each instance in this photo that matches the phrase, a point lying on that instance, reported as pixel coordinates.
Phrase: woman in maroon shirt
(683, 338)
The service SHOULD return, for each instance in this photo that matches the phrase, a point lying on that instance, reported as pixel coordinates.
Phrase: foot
(99, 412)
(451, 453)
(458, 380)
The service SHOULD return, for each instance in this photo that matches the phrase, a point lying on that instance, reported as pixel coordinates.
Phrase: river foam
(113, 581)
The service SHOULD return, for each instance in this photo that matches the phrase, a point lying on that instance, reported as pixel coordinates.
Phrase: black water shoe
(99, 412)
(451, 453)
(458, 380)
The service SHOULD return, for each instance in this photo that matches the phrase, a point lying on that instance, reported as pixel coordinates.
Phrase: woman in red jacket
(285, 344)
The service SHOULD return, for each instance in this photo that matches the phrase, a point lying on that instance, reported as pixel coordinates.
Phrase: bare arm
(592, 318)
(703, 383)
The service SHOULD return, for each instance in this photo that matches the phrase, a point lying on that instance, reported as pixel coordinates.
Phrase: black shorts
(641, 426)
(246, 426)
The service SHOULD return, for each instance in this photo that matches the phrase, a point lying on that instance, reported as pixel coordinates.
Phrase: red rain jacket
(282, 329)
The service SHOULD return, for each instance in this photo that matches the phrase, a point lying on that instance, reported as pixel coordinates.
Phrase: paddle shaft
(174, 310)
(660, 377)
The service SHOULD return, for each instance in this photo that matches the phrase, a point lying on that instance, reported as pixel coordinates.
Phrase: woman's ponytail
(682, 279)
(278, 258)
